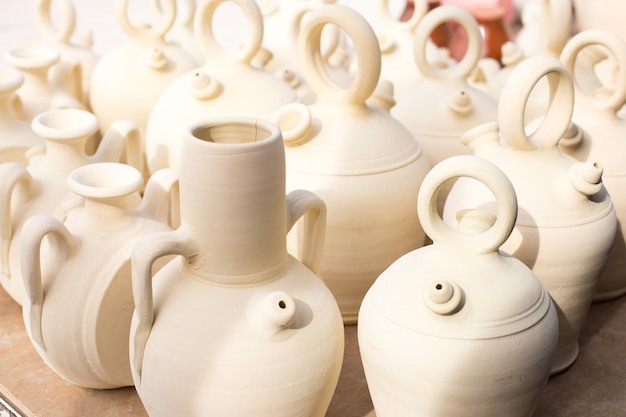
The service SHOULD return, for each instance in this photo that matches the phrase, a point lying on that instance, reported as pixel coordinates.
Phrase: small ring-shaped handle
(483, 171)
(67, 20)
(615, 45)
(203, 27)
(366, 50)
(165, 23)
(419, 11)
(427, 26)
(514, 98)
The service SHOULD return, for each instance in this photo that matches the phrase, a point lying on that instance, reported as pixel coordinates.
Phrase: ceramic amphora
(363, 163)
(128, 80)
(597, 134)
(78, 302)
(458, 328)
(41, 91)
(227, 84)
(566, 222)
(235, 326)
(60, 38)
(442, 106)
(16, 136)
(40, 187)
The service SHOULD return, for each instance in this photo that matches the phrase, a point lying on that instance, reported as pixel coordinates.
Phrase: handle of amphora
(429, 23)
(366, 49)
(514, 99)
(305, 203)
(67, 75)
(616, 47)
(203, 27)
(419, 11)
(184, 19)
(147, 250)
(161, 199)
(33, 232)
(66, 20)
(157, 31)
(11, 174)
(487, 173)
(122, 141)
(556, 23)
(331, 41)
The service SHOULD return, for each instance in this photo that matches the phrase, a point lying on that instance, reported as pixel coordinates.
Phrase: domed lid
(461, 286)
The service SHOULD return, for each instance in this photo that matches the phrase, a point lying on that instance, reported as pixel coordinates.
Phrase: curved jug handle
(419, 11)
(556, 23)
(366, 49)
(122, 139)
(145, 252)
(203, 27)
(33, 232)
(158, 31)
(66, 16)
(305, 203)
(427, 26)
(514, 98)
(615, 46)
(490, 175)
(161, 200)
(11, 174)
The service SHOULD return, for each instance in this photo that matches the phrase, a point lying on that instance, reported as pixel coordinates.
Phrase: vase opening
(32, 55)
(105, 180)
(65, 123)
(233, 133)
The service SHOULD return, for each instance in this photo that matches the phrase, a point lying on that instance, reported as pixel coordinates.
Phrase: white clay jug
(566, 222)
(442, 106)
(598, 134)
(128, 80)
(227, 84)
(40, 187)
(78, 51)
(458, 328)
(546, 27)
(40, 92)
(234, 325)
(77, 275)
(363, 163)
(16, 136)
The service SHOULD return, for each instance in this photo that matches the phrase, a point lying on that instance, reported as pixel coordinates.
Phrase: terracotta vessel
(566, 222)
(128, 80)
(362, 162)
(40, 92)
(597, 134)
(262, 334)
(60, 38)
(40, 187)
(16, 136)
(227, 84)
(79, 302)
(459, 328)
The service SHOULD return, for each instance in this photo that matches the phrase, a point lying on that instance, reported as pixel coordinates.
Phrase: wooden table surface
(595, 386)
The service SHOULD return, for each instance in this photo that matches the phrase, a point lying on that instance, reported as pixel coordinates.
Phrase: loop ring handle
(67, 20)
(165, 23)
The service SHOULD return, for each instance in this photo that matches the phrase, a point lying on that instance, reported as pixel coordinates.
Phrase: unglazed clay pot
(16, 136)
(79, 51)
(458, 328)
(604, 14)
(566, 222)
(228, 84)
(41, 186)
(234, 325)
(127, 81)
(362, 162)
(79, 301)
(39, 92)
(442, 106)
(598, 135)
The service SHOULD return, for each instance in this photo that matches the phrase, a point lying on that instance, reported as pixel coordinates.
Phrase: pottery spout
(482, 138)
(586, 177)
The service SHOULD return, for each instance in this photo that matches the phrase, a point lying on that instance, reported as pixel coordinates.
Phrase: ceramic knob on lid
(458, 327)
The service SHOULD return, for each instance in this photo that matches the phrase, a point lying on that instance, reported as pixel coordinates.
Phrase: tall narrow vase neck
(232, 192)
(65, 155)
